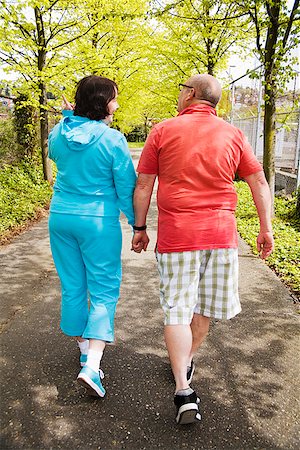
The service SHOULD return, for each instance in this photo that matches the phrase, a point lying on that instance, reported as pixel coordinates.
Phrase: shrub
(23, 192)
(9, 149)
(25, 125)
(285, 259)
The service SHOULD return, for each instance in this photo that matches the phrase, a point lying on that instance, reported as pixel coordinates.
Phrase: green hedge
(10, 151)
(23, 192)
(285, 260)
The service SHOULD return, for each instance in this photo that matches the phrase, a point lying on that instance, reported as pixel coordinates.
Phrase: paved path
(247, 371)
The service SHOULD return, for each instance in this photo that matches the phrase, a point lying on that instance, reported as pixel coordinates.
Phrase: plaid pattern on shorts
(201, 281)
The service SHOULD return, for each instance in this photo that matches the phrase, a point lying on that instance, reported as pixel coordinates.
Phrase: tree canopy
(146, 46)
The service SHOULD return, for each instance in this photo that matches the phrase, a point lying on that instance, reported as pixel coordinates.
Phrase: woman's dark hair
(93, 94)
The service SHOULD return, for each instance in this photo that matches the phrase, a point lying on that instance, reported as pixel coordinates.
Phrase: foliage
(48, 42)
(25, 124)
(277, 33)
(136, 144)
(23, 192)
(138, 133)
(9, 149)
(147, 47)
(285, 260)
(198, 35)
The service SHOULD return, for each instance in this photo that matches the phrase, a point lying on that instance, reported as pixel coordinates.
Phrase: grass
(136, 144)
(285, 259)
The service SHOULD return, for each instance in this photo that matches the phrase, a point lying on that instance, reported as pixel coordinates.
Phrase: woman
(95, 180)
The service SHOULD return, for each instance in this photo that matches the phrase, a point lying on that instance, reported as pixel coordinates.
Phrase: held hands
(265, 244)
(140, 241)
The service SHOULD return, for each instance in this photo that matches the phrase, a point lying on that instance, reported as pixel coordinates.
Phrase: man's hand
(265, 244)
(140, 241)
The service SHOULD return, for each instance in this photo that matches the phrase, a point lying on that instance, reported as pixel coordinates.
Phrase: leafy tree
(277, 33)
(200, 33)
(116, 49)
(39, 39)
(34, 34)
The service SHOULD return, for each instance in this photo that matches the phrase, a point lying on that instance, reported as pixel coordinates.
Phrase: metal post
(232, 103)
(258, 114)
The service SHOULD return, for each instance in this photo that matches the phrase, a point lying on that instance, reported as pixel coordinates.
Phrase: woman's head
(96, 98)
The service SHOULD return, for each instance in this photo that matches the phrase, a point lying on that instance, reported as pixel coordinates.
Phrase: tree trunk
(145, 128)
(273, 10)
(270, 139)
(210, 65)
(44, 124)
(44, 130)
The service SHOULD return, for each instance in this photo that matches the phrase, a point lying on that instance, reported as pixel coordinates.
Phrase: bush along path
(285, 260)
(24, 195)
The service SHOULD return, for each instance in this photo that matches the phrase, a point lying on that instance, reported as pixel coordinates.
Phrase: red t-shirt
(196, 156)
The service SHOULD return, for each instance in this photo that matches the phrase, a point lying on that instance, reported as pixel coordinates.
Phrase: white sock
(83, 346)
(93, 359)
(184, 392)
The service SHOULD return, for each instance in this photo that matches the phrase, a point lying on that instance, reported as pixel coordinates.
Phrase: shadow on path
(247, 371)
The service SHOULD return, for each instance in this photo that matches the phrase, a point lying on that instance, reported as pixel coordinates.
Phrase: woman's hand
(66, 105)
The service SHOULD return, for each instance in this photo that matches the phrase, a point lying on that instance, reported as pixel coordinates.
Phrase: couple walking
(195, 156)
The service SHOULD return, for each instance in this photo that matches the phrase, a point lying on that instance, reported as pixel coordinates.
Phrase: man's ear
(191, 94)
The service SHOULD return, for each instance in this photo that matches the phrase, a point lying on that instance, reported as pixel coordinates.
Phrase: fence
(246, 113)
(287, 147)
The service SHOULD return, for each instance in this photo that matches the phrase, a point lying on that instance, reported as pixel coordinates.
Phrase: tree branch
(76, 37)
(290, 23)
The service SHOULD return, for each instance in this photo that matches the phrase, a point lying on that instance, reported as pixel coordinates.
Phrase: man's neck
(198, 101)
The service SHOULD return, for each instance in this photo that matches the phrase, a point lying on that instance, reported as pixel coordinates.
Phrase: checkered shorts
(202, 281)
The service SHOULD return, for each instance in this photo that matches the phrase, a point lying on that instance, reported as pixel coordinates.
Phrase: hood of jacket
(78, 132)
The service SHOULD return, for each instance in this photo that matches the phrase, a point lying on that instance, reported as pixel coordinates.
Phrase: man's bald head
(206, 87)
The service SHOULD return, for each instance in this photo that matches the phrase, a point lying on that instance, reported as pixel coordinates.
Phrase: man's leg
(179, 341)
(199, 329)
(179, 279)
(182, 343)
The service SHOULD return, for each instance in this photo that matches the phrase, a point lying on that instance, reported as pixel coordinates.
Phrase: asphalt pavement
(247, 372)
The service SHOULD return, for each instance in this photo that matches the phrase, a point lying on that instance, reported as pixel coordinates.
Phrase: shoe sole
(188, 413)
(90, 386)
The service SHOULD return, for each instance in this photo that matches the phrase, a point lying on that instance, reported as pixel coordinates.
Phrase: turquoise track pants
(87, 255)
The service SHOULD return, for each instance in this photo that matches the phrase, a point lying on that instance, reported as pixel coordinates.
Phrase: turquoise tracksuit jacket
(95, 176)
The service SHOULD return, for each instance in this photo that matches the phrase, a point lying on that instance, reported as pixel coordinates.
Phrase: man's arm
(262, 199)
(141, 202)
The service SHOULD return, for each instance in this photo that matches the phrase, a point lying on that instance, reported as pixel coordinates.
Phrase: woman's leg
(101, 252)
(71, 271)
(100, 245)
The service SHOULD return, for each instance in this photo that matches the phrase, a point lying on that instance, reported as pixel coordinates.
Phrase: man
(195, 157)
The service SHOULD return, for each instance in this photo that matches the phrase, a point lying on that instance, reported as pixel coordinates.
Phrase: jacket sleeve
(51, 144)
(124, 176)
(53, 133)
